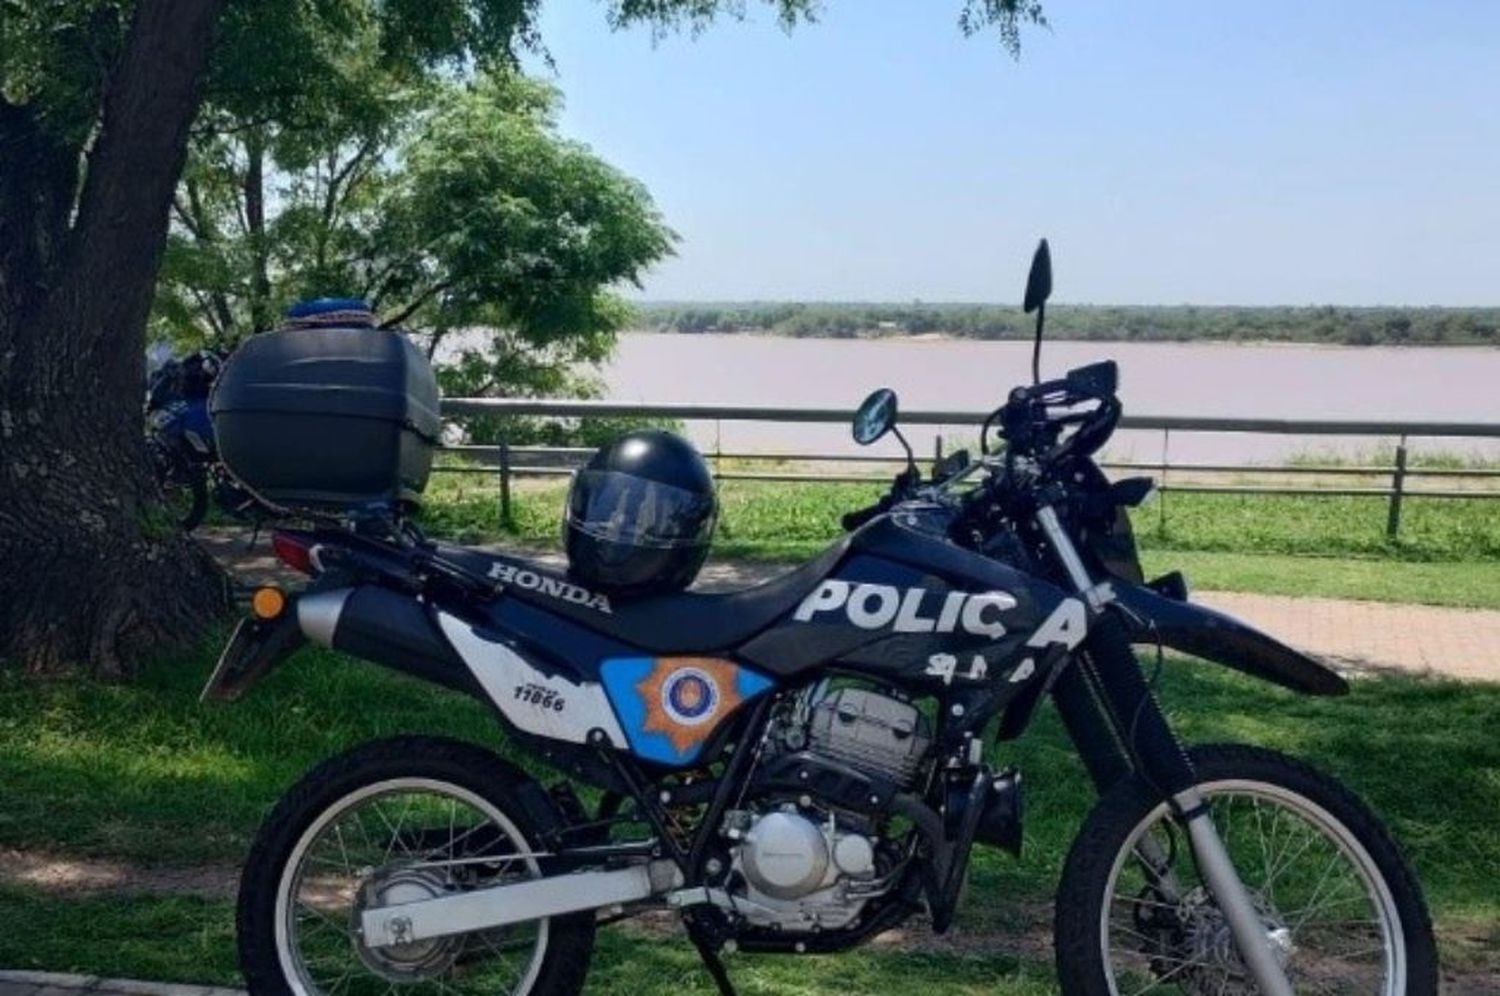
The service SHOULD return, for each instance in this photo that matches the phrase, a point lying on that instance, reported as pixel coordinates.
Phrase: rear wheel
(390, 822)
(1338, 899)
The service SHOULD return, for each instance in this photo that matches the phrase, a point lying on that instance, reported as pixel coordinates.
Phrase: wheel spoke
(406, 844)
(1164, 978)
(338, 837)
(1337, 926)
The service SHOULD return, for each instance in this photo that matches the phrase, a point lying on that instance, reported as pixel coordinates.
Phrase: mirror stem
(911, 458)
(1036, 348)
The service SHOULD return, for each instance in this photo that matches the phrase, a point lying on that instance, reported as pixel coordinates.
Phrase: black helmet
(640, 515)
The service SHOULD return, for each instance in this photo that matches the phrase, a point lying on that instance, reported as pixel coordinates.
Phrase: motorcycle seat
(688, 622)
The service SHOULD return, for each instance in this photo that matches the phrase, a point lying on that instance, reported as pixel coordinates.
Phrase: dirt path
(66, 876)
(1354, 637)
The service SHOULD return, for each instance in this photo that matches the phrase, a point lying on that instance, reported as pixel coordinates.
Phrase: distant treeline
(1153, 323)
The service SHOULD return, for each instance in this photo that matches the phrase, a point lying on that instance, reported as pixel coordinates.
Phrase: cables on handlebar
(984, 431)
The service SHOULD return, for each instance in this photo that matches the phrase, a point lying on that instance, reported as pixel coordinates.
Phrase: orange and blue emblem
(670, 706)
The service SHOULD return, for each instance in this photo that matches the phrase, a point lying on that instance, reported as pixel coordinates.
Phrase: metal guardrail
(516, 461)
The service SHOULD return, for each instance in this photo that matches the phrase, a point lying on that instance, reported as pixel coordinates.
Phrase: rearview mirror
(875, 416)
(1039, 280)
(1097, 380)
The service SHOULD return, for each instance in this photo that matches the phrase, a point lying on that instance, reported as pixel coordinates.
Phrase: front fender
(1203, 632)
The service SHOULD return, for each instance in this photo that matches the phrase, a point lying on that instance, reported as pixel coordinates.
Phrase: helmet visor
(622, 508)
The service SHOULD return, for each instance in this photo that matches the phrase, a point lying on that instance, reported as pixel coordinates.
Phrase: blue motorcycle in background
(180, 440)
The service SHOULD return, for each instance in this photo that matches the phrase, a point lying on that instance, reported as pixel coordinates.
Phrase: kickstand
(714, 964)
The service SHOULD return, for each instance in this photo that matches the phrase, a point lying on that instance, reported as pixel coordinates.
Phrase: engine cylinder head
(870, 732)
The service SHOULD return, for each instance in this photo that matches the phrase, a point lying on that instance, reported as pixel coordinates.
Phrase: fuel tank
(909, 605)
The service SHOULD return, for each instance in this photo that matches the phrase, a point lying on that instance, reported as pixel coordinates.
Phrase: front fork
(1107, 683)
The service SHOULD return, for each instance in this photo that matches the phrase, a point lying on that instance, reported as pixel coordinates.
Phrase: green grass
(192, 940)
(1465, 585)
(794, 519)
(1449, 552)
(176, 938)
(144, 773)
(1417, 458)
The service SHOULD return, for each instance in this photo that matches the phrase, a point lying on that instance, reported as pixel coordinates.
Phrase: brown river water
(1460, 384)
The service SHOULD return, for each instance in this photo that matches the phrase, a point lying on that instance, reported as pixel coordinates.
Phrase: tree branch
(124, 208)
(415, 304)
(185, 217)
(207, 307)
(206, 235)
(38, 177)
(342, 180)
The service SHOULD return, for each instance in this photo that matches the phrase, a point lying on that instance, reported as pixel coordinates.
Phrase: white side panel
(544, 704)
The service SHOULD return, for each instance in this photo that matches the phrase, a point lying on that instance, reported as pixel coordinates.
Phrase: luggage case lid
(355, 372)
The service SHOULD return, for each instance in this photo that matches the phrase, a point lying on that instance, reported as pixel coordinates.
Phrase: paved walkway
(1375, 636)
(60, 984)
(1355, 637)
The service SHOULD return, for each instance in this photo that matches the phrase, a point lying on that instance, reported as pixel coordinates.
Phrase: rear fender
(255, 649)
(1212, 635)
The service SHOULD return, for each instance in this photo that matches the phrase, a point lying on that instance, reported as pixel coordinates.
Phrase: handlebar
(1032, 421)
(903, 486)
(1033, 418)
(853, 520)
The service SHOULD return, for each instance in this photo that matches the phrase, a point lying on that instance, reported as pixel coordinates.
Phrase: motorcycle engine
(871, 733)
(803, 861)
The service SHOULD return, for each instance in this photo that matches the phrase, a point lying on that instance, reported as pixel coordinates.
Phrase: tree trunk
(255, 219)
(92, 574)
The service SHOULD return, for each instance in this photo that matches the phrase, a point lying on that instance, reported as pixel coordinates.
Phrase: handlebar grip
(853, 520)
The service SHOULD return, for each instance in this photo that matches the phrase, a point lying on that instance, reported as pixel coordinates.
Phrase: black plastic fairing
(911, 561)
(690, 622)
(1212, 635)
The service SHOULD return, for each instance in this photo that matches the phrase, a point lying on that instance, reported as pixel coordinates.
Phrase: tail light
(295, 551)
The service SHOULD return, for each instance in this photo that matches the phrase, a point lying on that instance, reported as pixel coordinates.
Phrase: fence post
(1398, 484)
(1161, 488)
(937, 453)
(506, 521)
(718, 449)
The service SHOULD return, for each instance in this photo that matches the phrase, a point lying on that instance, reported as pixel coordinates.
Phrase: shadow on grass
(144, 773)
(192, 940)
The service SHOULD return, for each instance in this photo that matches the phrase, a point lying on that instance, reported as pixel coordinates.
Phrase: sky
(1172, 151)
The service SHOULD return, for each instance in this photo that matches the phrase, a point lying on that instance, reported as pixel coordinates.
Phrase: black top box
(328, 419)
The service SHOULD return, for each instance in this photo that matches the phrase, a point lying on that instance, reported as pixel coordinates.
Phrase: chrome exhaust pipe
(318, 614)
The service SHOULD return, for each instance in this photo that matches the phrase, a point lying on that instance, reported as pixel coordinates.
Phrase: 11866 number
(540, 696)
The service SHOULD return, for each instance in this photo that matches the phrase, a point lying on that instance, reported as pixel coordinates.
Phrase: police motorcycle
(792, 768)
(180, 436)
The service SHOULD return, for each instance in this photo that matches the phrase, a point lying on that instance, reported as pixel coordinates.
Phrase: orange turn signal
(267, 603)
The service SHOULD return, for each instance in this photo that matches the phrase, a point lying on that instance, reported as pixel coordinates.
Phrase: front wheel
(1339, 900)
(390, 822)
